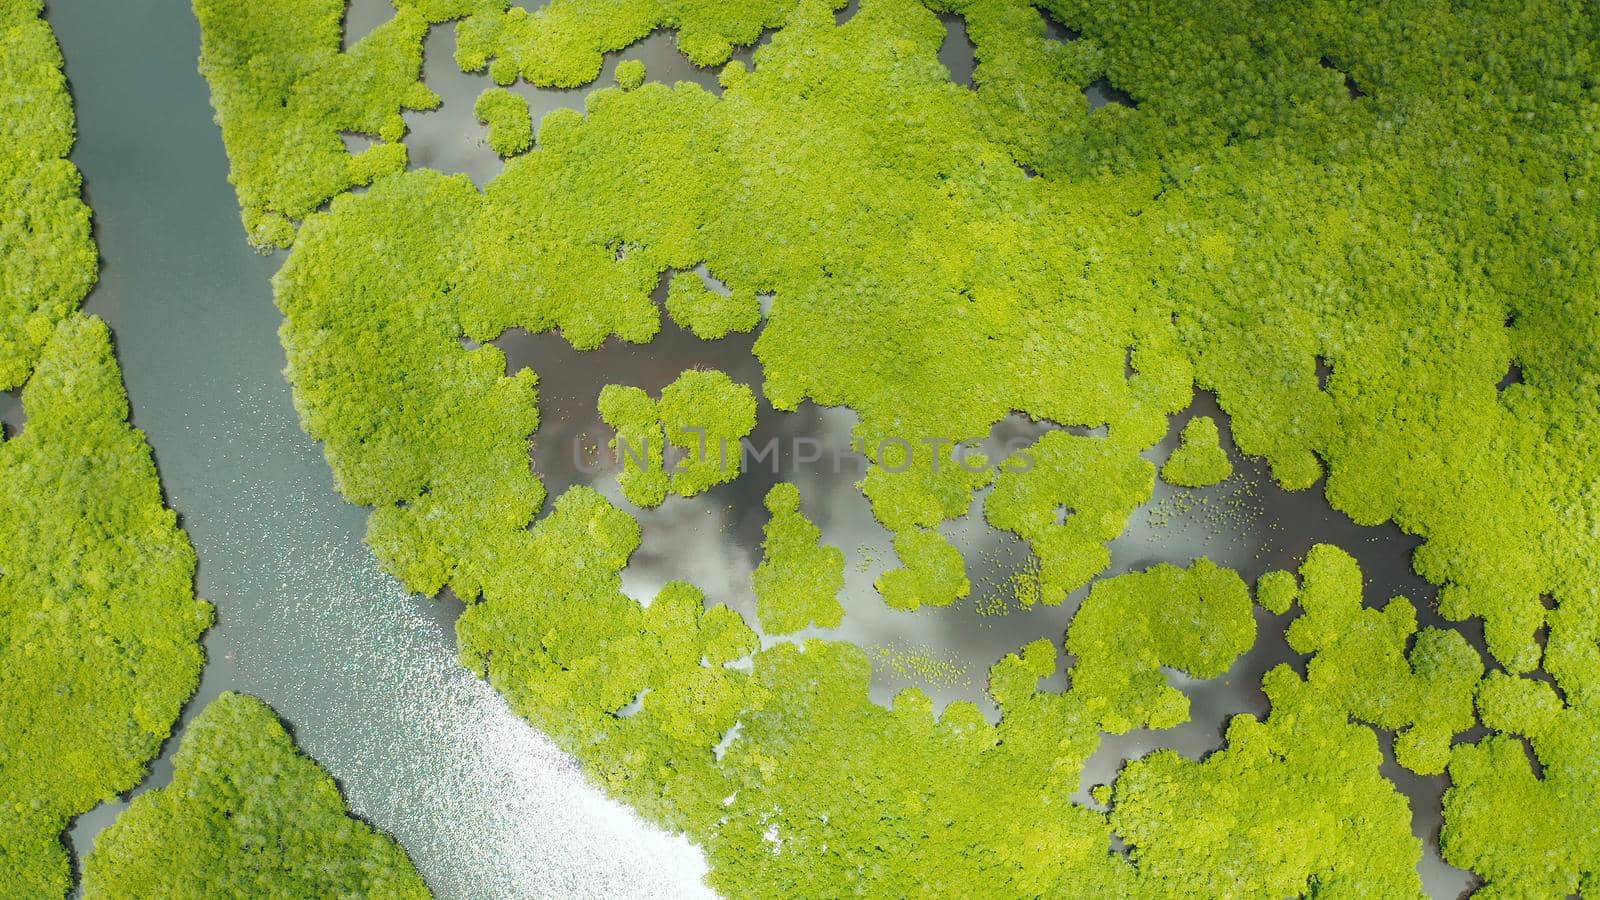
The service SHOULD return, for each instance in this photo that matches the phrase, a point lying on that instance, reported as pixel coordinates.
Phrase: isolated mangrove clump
(799, 579)
(1199, 460)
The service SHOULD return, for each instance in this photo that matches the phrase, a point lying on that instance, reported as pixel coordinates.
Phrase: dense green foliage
(1362, 663)
(931, 572)
(702, 415)
(939, 257)
(246, 815)
(799, 579)
(706, 415)
(1534, 832)
(1076, 496)
(555, 634)
(1276, 591)
(1199, 459)
(1196, 620)
(282, 123)
(510, 123)
(639, 445)
(1291, 806)
(710, 314)
(630, 74)
(47, 257)
(99, 625)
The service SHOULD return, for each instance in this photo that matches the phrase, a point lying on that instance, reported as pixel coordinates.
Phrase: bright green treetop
(798, 581)
(1199, 459)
